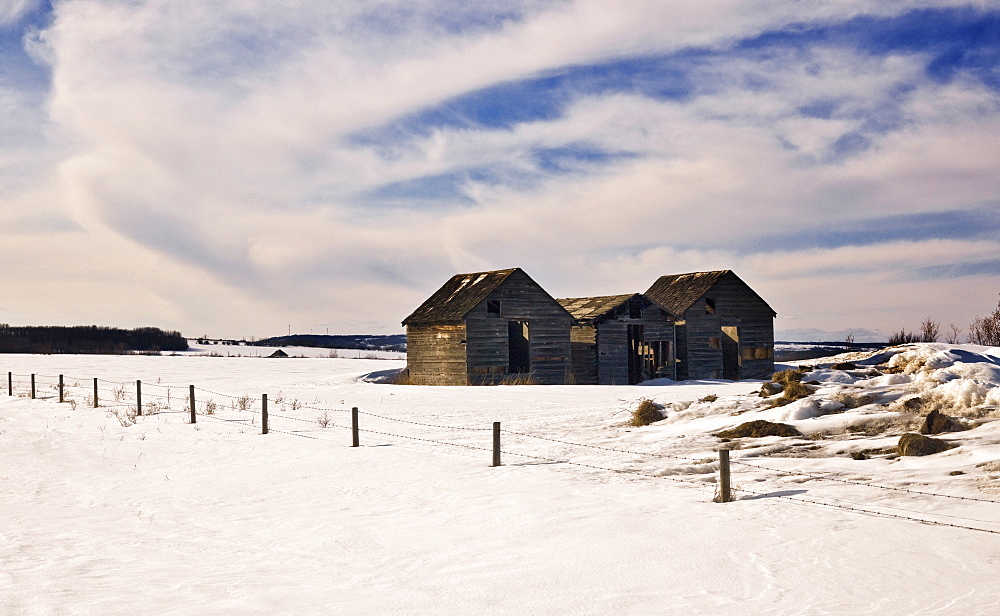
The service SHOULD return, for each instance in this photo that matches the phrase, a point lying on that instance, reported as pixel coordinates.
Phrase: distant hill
(395, 342)
(794, 351)
(88, 339)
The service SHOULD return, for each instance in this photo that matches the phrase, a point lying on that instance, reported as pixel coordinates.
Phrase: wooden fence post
(263, 414)
(60, 388)
(32, 386)
(725, 490)
(496, 443)
(95, 392)
(138, 397)
(194, 416)
(10, 383)
(355, 437)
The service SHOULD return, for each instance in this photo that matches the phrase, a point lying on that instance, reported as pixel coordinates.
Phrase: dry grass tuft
(759, 428)
(853, 400)
(646, 413)
(787, 376)
(518, 379)
(893, 424)
(401, 378)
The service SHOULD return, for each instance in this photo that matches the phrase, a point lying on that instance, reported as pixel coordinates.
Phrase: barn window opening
(709, 305)
(493, 307)
(518, 347)
(634, 310)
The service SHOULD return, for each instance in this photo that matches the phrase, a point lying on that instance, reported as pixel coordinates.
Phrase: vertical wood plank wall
(735, 305)
(583, 351)
(435, 354)
(548, 326)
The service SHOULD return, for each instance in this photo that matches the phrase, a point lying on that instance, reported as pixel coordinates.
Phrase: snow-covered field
(107, 513)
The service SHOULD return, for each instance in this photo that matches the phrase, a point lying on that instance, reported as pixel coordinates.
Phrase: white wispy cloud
(207, 155)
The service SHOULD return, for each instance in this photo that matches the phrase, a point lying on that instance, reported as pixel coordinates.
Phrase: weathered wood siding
(736, 305)
(583, 350)
(703, 361)
(613, 347)
(549, 334)
(612, 352)
(435, 354)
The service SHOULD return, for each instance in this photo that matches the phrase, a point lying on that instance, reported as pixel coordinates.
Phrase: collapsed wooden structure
(502, 327)
(620, 340)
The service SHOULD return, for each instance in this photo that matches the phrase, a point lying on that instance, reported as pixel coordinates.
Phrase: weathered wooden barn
(620, 340)
(488, 327)
(724, 329)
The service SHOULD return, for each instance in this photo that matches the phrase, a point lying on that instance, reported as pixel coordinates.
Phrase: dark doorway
(659, 358)
(518, 347)
(636, 352)
(731, 353)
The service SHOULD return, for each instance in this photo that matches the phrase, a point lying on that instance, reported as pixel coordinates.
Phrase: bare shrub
(986, 330)
(208, 407)
(903, 337)
(954, 334)
(243, 403)
(646, 413)
(709, 398)
(324, 420)
(125, 416)
(929, 330)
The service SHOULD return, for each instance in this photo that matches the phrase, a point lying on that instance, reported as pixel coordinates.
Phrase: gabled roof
(458, 296)
(678, 292)
(586, 308)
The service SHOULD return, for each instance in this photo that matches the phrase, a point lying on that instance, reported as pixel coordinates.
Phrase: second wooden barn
(725, 329)
(488, 327)
(620, 340)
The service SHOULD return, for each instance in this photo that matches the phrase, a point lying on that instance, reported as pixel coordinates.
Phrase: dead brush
(853, 400)
(646, 413)
(794, 390)
(518, 379)
(897, 424)
(401, 378)
(787, 376)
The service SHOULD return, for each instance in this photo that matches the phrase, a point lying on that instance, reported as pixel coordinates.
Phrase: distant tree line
(982, 330)
(88, 339)
(365, 342)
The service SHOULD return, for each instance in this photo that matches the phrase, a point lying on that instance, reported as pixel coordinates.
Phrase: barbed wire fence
(130, 401)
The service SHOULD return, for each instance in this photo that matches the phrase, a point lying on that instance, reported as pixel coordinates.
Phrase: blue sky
(329, 165)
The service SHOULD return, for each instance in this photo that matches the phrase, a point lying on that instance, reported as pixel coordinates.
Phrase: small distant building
(278, 353)
(724, 329)
(620, 340)
(488, 327)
